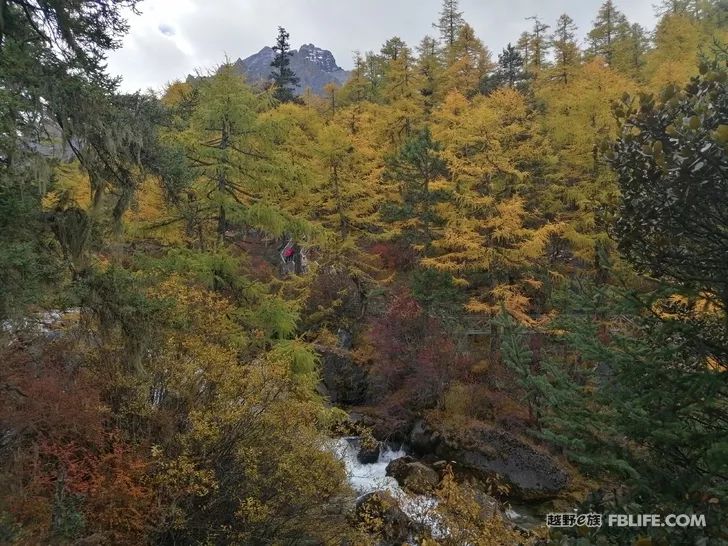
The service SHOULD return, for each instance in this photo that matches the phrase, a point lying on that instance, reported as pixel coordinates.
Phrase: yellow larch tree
(497, 163)
(578, 116)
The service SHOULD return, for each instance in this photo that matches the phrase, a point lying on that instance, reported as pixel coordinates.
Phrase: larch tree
(523, 46)
(566, 51)
(467, 62)
(240, 173)
(539, 45)
(678, 40)
(490, 155)
(401, 89)
(450, 22)
(635, 49)
(346, 202)
(429, 67)
(578, 118)
(609, 29)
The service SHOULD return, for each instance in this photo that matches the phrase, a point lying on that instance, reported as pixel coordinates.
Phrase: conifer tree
(491, 149)
(450, 22)
(523, 45)
(577, 121)
(636, 47)
(284, 79)
(509, 71)
(237, 169)
(415, 169)
(609, 29)
(467, 62)
(566, 52)
(429, 67)
(374, 72)
(643, 402)
(400, 89)
(678, 40)
(539, 45)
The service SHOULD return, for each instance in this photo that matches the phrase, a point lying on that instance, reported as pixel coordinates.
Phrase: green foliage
(610, 28)
(284, 79)
(117, 303)
(672, 163)
(216, 270)
(647, 405)
(180, 404)
(274, 317)
(28, 268)
(566, 51)
(302, 359)
(519, 359)
(508, 72)
(436, 290)
(414, 168)
(450, 22)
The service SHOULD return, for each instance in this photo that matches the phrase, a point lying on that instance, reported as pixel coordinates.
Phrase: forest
(503, 275)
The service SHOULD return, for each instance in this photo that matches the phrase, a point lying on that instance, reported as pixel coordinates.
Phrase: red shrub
(63, 450)
(415, 359)
(395, 256)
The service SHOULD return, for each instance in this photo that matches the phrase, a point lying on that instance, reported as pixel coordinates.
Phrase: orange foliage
(63, 452)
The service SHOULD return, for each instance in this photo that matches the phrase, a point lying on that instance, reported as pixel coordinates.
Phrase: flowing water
(367, 478)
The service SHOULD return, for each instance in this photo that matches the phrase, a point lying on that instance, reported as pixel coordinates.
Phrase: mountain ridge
(315, 67)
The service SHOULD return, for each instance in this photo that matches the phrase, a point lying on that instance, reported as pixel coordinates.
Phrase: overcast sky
(172, 38)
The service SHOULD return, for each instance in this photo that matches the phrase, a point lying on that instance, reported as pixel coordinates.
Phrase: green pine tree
(284, 79)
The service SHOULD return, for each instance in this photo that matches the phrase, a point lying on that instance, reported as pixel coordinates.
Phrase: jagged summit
(315, 67)
(320, 57)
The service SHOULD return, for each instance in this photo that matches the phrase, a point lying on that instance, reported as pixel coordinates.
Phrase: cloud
(172, 38)
(166, 29)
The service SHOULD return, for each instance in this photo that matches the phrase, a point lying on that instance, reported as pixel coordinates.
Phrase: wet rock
(414, 476)
(440, 466)
(397, 467)
(489, 506)
(345, 381)
(344, 339)
(382, 425)
(423, 439)
(488, 451)
(369, 451)
(379, 514)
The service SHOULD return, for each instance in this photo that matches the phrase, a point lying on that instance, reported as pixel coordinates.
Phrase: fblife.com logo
(592, 519)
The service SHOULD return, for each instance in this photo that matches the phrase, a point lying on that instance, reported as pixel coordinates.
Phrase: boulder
(422, 438)
(414, 476)
(344, 380)
(379, 514)
(368, 451)
(397, 467)
(488, 451)
(344, 339)
(489, 506)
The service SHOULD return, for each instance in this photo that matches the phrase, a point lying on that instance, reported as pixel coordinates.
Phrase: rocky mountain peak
(321, 57)
(314, 66)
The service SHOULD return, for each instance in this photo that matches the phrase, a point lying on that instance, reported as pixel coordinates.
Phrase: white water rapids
(421, 509)
(367, 478)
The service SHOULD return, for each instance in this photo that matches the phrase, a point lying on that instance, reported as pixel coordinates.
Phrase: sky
(173, 38)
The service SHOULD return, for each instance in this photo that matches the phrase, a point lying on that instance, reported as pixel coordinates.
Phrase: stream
(421, 509)
(367, 478)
